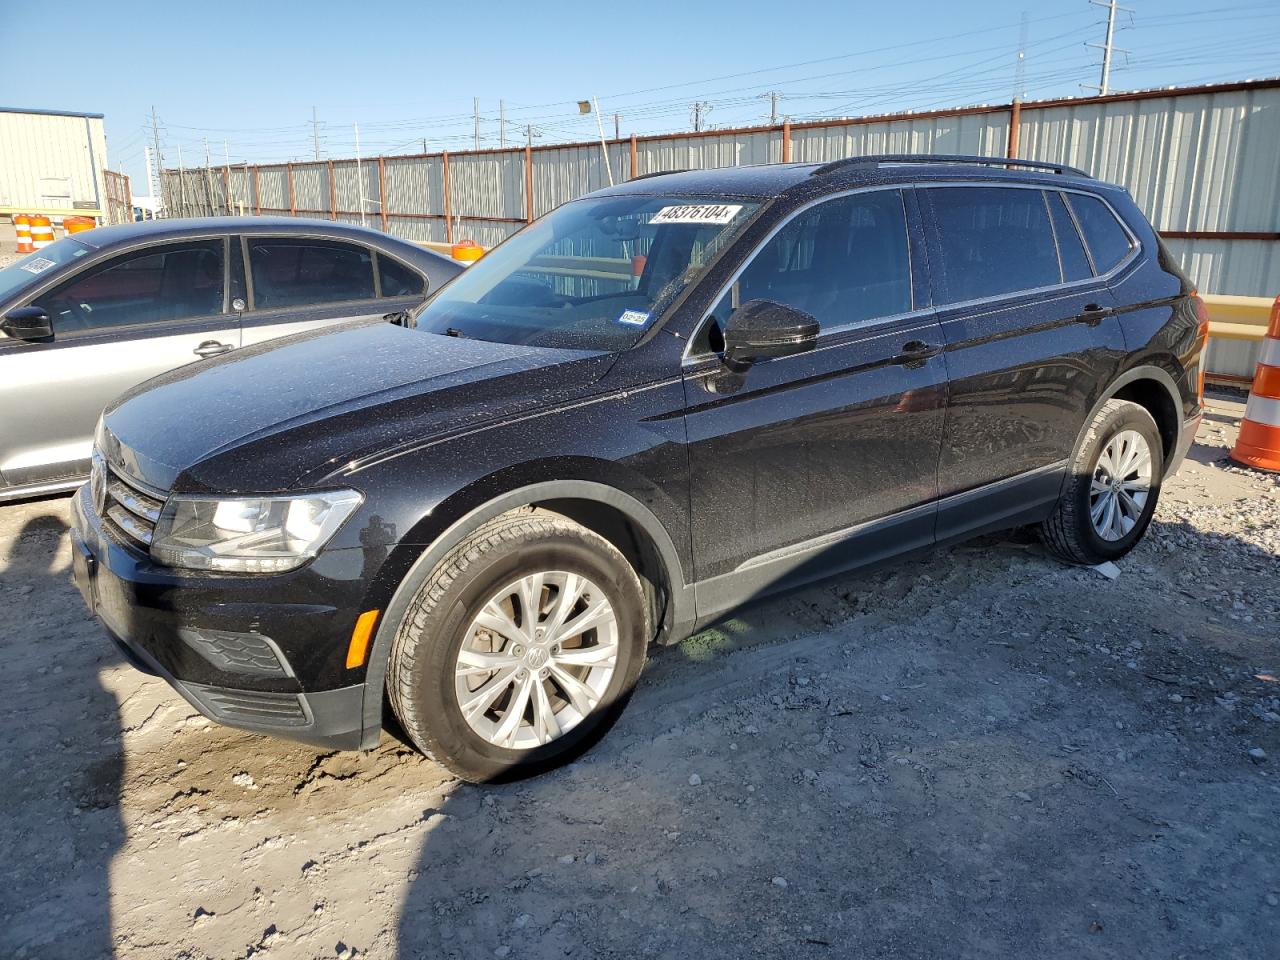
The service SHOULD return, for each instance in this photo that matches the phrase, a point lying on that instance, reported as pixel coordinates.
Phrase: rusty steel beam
(528, 184)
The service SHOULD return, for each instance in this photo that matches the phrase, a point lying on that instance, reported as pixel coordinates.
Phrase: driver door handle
(211, 348)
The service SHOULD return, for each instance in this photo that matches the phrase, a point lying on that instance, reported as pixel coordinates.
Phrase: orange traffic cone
(1259, 441)
(22, 227)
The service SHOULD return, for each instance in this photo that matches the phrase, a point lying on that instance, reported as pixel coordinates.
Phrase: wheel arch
(607, 510)
(1152, 388)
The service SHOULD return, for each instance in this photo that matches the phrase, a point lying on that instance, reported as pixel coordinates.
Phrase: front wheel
(520, 649)
(1110, 497)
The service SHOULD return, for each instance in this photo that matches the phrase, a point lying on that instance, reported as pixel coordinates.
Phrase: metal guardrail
(1237, 318)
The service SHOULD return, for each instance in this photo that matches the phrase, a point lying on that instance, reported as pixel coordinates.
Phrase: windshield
(36, 266)
(591, 275)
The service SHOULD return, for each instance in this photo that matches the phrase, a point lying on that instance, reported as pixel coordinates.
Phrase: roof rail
(893, 159)
(657, 173)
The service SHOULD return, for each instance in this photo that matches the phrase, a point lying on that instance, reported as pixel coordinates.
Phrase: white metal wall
(37, 147)
(1196, 161)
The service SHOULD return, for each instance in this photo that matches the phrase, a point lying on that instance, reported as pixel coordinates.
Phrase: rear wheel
(1110, 497)
(520, 649)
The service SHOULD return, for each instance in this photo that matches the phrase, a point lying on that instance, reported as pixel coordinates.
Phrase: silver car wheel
(537, 659)
(1121, 485)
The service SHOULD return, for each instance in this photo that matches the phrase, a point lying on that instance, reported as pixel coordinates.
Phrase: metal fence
(118, 197)
(1202, 162)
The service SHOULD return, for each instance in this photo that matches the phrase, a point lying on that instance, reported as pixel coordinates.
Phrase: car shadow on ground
(61, 827)
(942, 758)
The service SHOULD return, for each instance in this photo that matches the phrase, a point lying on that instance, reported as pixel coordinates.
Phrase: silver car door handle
(211, 348)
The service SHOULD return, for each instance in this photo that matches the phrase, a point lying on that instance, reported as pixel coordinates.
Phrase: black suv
(648, 407)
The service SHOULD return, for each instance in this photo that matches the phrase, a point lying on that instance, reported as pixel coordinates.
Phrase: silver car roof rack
(945, 159)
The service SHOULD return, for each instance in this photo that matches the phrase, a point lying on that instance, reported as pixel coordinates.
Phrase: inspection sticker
(714, 213)
(634, 318)
(38, 265)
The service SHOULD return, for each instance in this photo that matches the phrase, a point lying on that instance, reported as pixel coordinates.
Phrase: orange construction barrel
(22, 227)
(467, 251)
(72, 225)
(41, 232)
(1259, 442)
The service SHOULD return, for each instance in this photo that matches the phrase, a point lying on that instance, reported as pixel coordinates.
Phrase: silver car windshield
(31, 268)
(591, 275)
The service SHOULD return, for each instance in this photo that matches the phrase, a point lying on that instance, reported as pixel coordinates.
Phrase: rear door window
(1107, 240)
(293, 272)
(992, 241)
(171, 283)
(397, 280)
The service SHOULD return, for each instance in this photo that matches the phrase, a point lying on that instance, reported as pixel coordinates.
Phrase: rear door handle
(1094, 312)
(914, 351)
(211, 348)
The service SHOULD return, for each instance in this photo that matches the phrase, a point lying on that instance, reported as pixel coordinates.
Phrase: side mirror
(27, 323)
(760, 329)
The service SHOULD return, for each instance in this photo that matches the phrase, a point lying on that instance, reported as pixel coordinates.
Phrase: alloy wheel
(1121, 485)
(537, 659)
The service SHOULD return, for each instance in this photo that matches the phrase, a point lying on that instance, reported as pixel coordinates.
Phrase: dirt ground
(978, 754)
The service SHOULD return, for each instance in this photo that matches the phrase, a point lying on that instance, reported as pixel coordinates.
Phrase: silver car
(90, 316)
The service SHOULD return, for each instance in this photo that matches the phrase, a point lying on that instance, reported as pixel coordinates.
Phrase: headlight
(249, 534)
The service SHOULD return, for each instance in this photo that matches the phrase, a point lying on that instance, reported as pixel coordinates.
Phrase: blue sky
(246, 75)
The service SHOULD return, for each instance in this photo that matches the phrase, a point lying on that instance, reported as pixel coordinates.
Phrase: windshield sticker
(712, 213)
(38, 265)
(634, 318)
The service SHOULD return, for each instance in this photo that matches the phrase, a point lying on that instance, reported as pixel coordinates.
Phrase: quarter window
(993, 241)
(295, 272)
(1075, 262)
(843, 261)
(1108, 242)
(159, 285)
(397, 280)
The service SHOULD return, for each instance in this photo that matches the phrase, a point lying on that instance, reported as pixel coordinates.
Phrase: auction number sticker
(710, 213)
(634, 318)
(38, 265)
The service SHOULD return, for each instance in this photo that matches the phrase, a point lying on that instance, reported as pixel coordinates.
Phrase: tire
(1070, 532)
(427, 683)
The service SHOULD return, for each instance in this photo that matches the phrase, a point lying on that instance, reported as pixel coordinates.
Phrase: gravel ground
(981, 754)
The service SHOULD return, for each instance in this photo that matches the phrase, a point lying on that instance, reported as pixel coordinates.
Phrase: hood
(262, 418)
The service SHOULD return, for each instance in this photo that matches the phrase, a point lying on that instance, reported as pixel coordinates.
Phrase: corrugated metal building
(51, 162)
(1202, 162)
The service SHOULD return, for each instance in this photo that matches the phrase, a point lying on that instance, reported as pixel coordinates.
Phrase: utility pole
(529, 133)
(774, 96)
(208, 177)
(315, 132)
(1107, 48)
(182, 185)
(617, 126)
(700, 110)
(502, 125)
(1020, 70)
(158, 186)
(146, 159)
(475, 109)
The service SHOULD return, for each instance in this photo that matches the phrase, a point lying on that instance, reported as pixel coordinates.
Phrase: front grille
(130, 509)
(253, 707)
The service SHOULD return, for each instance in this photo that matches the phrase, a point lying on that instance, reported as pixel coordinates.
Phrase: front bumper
(258, 653)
